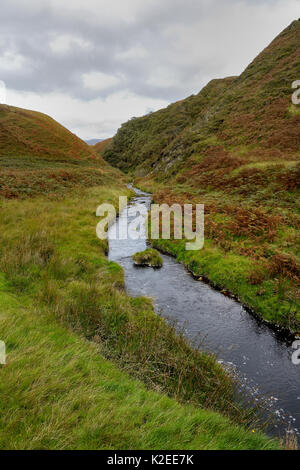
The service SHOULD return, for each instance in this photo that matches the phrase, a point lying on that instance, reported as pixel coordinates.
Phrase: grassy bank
(246, 257)
(59, 390)
(149, 257)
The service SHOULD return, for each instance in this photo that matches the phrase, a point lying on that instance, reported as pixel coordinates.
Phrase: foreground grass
(246, 258)
(58, 290)
(58, 392)
(49, 251)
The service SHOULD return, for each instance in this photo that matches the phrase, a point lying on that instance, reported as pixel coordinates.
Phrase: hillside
(241, 115)
(59, 393)
(39, 156)
(140, 144)
(236, 148)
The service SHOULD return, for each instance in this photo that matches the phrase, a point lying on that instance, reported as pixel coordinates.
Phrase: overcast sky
(93, 64)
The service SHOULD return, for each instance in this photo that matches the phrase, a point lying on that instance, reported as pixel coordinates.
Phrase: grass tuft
(149, 257)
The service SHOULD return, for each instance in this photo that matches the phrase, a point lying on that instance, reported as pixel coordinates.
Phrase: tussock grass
(149, 257)
(52, 261)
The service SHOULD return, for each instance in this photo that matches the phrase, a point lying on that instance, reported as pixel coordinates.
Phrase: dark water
(262, 361)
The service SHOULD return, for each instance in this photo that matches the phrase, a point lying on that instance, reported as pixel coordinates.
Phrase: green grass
(149, 258)
(266, 164)
(58, 392)
(294, 110)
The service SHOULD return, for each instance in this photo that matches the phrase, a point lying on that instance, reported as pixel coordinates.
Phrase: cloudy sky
(93, 64)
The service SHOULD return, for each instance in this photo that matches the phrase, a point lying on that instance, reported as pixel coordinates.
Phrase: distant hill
(40, 156)
(93, 141)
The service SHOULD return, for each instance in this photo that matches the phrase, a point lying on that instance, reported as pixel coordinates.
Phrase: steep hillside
(39, 156)
(236, 148)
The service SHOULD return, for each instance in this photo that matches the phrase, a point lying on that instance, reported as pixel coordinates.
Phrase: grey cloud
(186, 43)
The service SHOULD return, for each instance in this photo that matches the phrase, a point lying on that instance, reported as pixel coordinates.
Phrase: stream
(260, 359)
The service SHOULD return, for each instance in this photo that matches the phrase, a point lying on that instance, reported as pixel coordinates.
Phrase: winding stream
(262, 361)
